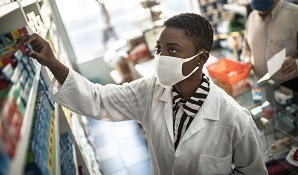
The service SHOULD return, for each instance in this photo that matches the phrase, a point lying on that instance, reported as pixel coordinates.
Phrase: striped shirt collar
(192, 106)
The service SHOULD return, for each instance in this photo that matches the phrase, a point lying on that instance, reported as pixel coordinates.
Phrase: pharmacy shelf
(64, 127)
(26, 3)
(225, 36)
(7, 8)
(13, 15)
(236, 8)
(208, 3)
(18, 162)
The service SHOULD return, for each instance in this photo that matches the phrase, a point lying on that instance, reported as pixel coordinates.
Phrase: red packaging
(23, 31)
(295, 155)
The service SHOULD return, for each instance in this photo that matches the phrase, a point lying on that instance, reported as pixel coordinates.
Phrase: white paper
(274, 64)
(264, 78)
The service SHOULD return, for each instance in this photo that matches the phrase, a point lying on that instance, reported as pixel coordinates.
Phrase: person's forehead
(172, 35)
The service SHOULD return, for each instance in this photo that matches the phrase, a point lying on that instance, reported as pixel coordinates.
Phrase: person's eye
(157, 49)
(173, 50)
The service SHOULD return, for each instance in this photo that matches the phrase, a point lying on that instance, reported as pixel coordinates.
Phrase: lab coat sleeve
(248, 154)
(111, 101)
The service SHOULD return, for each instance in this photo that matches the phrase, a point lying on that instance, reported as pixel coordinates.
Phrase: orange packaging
(228, 71)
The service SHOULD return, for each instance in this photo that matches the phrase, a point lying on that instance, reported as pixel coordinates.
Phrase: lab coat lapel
(209, 111)
(196, 125)
(166, 96)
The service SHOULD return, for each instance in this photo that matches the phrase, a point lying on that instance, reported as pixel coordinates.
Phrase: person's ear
(203, 58)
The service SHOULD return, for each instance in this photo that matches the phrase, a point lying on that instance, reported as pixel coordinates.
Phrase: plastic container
(228, 71)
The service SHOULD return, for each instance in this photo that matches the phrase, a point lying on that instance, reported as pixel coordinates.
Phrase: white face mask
(169, 69)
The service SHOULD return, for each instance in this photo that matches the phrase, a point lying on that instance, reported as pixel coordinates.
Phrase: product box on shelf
(12, 68)
(40, 154)
(12, 100)
(67, 154)
(34, 22)
(4, 163)
(2, 43)
(8, 39)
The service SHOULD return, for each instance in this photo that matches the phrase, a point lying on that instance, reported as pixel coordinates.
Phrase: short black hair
(196, 27)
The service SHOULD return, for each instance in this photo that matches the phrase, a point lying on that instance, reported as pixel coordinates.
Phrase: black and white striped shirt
(184, 111)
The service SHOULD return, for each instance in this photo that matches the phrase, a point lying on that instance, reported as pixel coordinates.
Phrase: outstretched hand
(42, 50)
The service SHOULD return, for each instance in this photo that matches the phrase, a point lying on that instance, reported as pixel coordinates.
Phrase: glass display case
(278, 126)
(281, 133)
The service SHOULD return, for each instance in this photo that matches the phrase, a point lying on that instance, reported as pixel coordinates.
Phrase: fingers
(35, 55)
(289, 66)
(34, 38)
(290, 71)
(41, 50)
(21, 41)
(29, 39)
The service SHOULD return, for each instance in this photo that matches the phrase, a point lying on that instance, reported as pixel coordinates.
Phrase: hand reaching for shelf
(42, 50)
(44, 54)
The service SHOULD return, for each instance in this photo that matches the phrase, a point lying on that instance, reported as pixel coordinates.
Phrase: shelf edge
(7, 8)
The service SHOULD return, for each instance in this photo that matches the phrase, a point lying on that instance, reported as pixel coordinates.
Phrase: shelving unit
(14, 16)
(235, 8)
(7, 8)
(219, 13)
(19, 160)
(25, 3)
(64, 127)
(210, 9)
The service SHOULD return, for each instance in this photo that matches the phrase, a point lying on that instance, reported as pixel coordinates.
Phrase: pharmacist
(271, 27)
(192, 126)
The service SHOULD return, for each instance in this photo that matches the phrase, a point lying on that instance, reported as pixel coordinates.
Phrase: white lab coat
(223, 132)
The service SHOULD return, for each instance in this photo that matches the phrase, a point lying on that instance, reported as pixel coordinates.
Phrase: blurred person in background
(271, 27)
(108, 30)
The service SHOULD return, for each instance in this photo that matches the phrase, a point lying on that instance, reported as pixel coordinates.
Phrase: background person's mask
(261, 5)
(169, 69)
